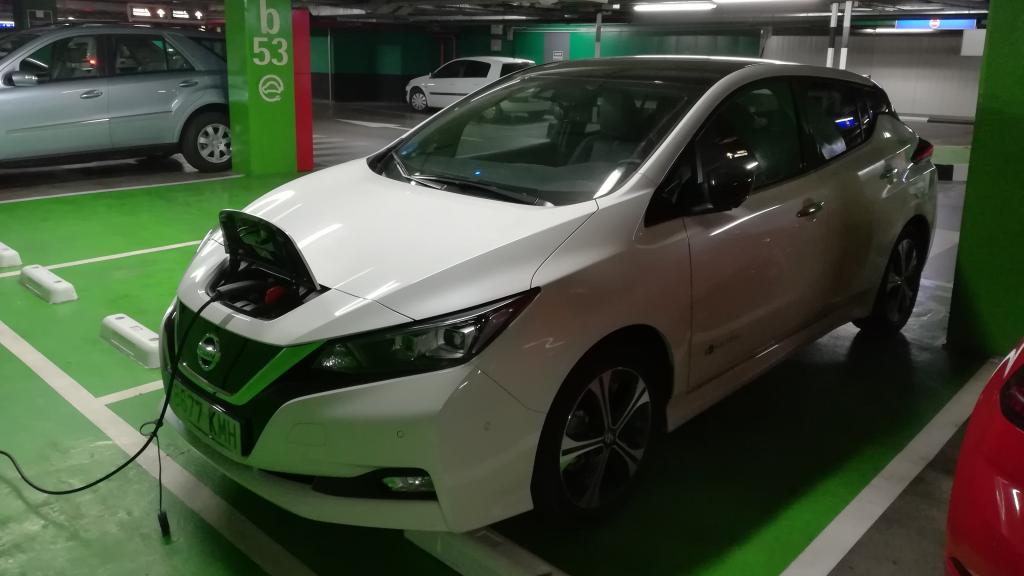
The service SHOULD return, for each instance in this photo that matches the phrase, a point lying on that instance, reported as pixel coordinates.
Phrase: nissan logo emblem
(208, 352)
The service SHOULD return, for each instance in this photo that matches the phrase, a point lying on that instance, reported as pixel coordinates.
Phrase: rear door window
(146, 54)
(476, 69)
(831, 118)
(507, 69)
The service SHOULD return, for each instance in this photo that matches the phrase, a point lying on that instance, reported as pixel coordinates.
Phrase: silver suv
(73, 94)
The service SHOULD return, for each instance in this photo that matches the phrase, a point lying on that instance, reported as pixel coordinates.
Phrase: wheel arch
(920, 230)
(208, 107)
(651, 343)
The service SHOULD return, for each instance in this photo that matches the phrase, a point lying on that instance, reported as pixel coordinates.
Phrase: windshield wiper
(416, 179)
(510, 195)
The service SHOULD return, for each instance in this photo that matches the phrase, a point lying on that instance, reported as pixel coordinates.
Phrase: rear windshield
(552, 138)
(507, 69)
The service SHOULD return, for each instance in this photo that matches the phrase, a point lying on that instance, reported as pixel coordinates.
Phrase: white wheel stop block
(47, 285)
(9, 256)
(134, 339)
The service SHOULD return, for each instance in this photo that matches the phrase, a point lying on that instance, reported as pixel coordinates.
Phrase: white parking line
(236, 528)
(121, 189)
(836, 540)
(110, 257)
(130, 393)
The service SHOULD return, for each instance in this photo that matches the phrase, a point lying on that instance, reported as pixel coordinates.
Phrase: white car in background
(458, 78)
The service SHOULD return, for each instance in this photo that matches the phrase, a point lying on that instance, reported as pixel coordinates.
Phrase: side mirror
(22, 79)
(731, 179)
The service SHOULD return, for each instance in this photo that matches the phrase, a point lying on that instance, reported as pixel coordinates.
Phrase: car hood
(419, 251)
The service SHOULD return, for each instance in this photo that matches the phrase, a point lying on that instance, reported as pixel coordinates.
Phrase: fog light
(409, 484)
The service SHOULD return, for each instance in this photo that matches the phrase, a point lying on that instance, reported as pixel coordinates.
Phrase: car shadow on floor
(743, 487)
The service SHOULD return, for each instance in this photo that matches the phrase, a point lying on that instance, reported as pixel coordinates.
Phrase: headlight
(422, 347)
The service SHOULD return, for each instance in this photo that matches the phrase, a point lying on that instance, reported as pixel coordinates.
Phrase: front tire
(597, 436)
(206, 142)
(418, 100)
(897, 294)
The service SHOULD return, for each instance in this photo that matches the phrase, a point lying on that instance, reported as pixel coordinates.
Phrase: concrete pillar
(987, 314)
(261, 85)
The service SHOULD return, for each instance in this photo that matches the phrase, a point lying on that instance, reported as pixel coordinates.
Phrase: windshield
(558, 137)
(11, 43)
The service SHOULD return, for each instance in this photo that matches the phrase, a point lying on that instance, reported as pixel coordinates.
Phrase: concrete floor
(708, 509)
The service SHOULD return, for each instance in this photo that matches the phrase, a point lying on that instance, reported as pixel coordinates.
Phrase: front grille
(240, 358)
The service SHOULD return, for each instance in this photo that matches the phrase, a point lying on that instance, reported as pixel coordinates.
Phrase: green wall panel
(320, 61)
(987, 314)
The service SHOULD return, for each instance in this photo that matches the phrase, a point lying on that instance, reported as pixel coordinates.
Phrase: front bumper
(475, 441)
(985, 531)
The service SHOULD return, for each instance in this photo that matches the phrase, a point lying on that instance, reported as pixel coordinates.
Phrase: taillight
(1011, 399)
(923, 151)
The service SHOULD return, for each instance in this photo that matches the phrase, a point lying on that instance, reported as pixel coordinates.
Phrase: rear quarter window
(507, 69)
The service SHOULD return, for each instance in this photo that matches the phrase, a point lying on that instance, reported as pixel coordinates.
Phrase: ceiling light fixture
(695, 6)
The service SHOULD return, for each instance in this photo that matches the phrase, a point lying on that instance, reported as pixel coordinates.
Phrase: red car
(985, 531)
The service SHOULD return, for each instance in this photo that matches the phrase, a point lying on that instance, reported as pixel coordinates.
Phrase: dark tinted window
(450, 70)
(66, 59)
(12, 42)
(476, 69)
(507, 69)
(760, 116)
(216, 45)
(146, 54)
(831, 117)
(872, 103)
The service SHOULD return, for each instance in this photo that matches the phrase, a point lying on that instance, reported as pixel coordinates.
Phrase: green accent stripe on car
(273, 370)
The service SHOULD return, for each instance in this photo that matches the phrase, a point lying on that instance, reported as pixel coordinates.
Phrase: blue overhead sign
(937, 24)
(6, 24)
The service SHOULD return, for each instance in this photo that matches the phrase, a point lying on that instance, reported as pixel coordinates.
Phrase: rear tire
(897, 293)
(598, 435)
(418, 100)
(206, 142)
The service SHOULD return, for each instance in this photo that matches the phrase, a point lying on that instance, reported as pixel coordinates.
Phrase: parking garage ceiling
(728, 13)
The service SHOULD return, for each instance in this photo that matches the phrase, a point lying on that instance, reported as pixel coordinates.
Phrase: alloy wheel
(605, 438)
(419, 101)
(901, 284)
(214, 143)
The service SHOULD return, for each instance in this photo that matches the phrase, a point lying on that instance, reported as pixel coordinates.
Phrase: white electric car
(485, 318)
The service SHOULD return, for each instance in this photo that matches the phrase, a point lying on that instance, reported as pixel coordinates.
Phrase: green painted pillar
(37, 13)
(987, 314)
(261, 85)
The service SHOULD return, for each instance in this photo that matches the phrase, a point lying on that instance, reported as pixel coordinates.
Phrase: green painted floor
(741, 489)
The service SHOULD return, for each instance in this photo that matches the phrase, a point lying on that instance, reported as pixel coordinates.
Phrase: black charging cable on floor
(165, 526)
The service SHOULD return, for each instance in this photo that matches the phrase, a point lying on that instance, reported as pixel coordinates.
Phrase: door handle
(187, 83)
(890, 172)
(89, 94)
(810, 209)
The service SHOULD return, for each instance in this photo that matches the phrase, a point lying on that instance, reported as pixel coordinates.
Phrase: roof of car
(495, 59)
(710, 67)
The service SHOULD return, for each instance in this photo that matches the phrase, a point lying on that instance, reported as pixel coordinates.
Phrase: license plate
(208, 419)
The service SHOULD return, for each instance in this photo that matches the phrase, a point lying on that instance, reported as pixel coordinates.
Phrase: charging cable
(165, 526)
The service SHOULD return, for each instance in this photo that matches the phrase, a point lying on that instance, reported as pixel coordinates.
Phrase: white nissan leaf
(488, 317)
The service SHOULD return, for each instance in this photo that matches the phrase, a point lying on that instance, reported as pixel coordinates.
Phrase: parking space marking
(373, 124)
(236, 528)
(121, 189)
(846, 529)
(131, 392)
(110, 257)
